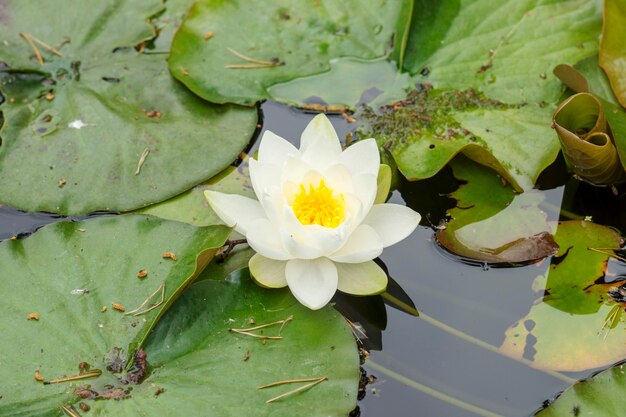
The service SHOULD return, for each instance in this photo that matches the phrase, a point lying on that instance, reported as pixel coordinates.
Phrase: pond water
(443, 363)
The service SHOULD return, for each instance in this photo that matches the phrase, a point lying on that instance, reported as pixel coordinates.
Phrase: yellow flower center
(319, 206)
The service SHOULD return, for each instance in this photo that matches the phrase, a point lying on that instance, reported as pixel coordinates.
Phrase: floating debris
(169, 255)
(115, 360)
(38, 376)
(90, 374)
(76, 124)
(313, 382)
(33, 316)
(118, 307)
(136, 311)
(143, 157)
(140, 367)
(248, 331)
(69, 410)
(79, 291)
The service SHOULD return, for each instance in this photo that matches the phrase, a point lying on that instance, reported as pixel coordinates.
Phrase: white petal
(364, 244)
(263, 177)
(312, 282)
(365, 189)
(339, 179)
(311, 241)
(235, 210)
(362, 157)
(267, 272)
(392, 222)
(275, 150)
(366, 278)
(294, 170)
(264, 238)
(320, 145)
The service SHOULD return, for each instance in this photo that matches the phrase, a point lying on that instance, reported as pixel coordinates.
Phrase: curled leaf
(585, 139)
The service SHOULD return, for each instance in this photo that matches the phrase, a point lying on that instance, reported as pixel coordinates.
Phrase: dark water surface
(443, 363)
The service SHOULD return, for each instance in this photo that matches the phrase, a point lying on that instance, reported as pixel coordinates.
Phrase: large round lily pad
(255, 44)
(102, 128)
(206, 370)
(76, 277)
(68, 271)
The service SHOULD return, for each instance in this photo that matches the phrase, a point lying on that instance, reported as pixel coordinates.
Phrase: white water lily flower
(315, 226)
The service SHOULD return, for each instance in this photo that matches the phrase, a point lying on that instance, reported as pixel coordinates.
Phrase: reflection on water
(445, 362)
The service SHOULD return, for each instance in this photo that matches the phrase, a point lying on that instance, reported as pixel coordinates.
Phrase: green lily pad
(236, 260)
(167, 23)
(374, 83)
(194, 372)
(192, 207)
(490, 223)
(507, 51)
(601, 395)
(568, 331)
(294, 38)
(87, 131)
(425, 131)
(70, 274)
(612, 54)
(92, 31)
(203, 367)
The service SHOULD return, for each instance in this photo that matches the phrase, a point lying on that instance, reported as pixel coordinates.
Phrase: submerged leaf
(581, 125)
(612, 54)
(600, 395)
(490, 223)
(374, 83)
(567, 330)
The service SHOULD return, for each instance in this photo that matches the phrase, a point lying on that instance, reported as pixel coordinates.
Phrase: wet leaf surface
(81, 278)
(507, 52)
(566, 330)
(601, 395)
(203, 368)
(87, 131)
(192, 207)
(290, 39)
(490, 223)
(425, 131)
